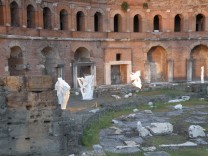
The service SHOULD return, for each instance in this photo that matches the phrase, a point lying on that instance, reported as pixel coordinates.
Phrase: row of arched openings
(98, 20)
(157, 58)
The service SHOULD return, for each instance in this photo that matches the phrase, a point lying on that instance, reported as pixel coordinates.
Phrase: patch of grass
(164, 139)
(91, 134)
(194, 102)
(189, 152)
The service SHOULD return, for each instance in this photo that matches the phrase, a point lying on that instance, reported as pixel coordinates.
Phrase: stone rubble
(196, 131)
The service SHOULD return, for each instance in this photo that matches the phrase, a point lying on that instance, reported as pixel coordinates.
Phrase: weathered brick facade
(165, 39)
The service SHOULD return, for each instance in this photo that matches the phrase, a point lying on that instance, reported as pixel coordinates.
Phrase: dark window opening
(30, 16)
(136, 23)
(156, 23)
(200, 22)
(14, 14)
(80, 21)
(116, 22)
(1, 13)
(46, 18)
(98, 22)
(63, 20)
(177, 24)
(118, 57)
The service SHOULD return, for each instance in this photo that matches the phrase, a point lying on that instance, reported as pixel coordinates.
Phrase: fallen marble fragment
(178, 106)
(135, 110)
(149, 149)
(94, 110)
(196, 131)
(160, 128)
(121, 147)
(183, 98)
(116, 96)
(186, 144)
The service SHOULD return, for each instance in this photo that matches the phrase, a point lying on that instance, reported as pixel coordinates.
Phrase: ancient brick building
(165, 39)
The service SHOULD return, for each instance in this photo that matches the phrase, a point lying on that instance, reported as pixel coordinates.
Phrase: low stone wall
(31, 121)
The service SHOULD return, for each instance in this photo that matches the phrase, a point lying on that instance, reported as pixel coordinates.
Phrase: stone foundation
(32, 122)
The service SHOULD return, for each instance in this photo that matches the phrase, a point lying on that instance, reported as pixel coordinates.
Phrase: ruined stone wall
(31, 121)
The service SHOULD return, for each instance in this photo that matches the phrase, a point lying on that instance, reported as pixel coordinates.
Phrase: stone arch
(82, 65)
(137, 23)
(14, 13)
(117, 22)
(47, 18)
(92, 13)
(200, 22)
(63, 19)
(30, 2)
(1, 13)
(98, 22)
(30, 16)
(15, 61)
(178, 23)
(199, 58)
(82, 54)
(49, 59)
(157, 58)
(80, 21)
(157, 23)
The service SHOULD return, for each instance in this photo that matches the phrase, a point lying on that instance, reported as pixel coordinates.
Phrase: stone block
(13, 83)
(48, 96)
(16, 99)
(17, 115)
(1, 81)
(46, 145)
(39, 83)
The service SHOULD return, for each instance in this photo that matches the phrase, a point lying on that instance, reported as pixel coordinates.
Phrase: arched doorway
(98, 22)
(49, 60)
(199, 57)
(46, 18)
(14, 10)
(30, 16)
(15, 62)
(158, 64)
(82, 66)
(117, 23)
(63, 20)
(80, 21)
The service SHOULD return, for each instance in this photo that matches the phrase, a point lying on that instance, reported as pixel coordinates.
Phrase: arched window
(30, 16)
(117, 23)
(80, 21)
(157, 23)
(98, 22)
(178, 23)
(137, 23)
(15, 61)
(63, 20)
(200, 22)
(1, 13)
(46, 18)
(14, 10)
